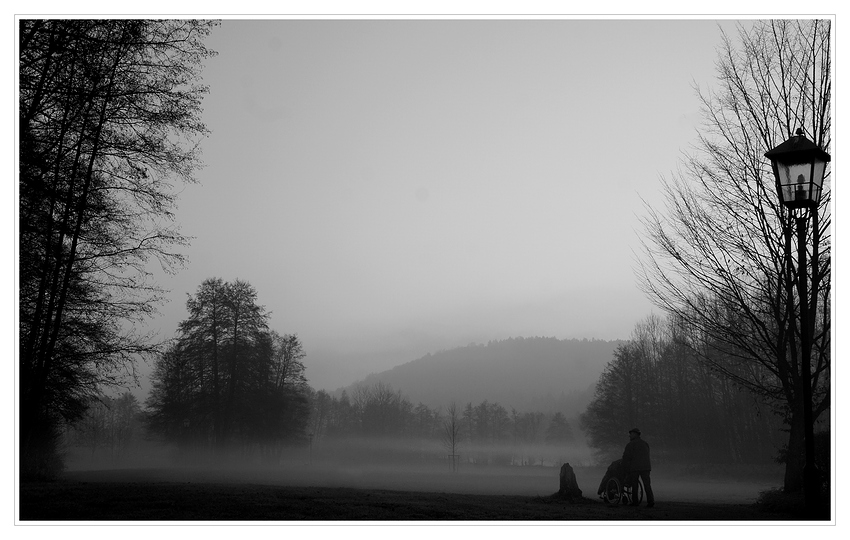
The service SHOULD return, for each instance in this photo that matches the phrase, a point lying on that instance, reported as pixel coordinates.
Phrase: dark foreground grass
(173, 501)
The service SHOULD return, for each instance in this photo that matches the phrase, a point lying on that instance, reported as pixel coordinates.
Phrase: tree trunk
(795, 455)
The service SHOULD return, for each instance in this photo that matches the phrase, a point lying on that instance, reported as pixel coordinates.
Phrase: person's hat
(634, 430)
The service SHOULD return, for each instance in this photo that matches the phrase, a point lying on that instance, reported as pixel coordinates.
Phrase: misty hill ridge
(527, 374)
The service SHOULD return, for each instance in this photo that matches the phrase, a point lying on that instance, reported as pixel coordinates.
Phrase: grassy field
(191, 495)
(107, 501)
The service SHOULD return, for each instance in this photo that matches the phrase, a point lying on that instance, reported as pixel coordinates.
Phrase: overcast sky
(397, 187)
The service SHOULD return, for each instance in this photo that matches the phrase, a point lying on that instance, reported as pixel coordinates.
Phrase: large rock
(569, 486)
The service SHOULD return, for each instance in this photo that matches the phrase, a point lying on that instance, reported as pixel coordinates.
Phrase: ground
(192, 495)
(159, 501)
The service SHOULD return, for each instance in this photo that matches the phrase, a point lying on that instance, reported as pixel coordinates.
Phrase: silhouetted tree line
(228, 382)
(109, 115)
(688, 411)
(483, 433)
(109, 428)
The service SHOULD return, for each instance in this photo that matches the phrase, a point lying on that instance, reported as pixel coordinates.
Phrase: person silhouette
(637, 466)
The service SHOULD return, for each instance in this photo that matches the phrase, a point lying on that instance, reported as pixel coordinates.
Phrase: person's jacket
(636, 456)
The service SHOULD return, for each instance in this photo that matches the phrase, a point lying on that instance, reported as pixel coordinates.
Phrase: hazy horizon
(425, 469)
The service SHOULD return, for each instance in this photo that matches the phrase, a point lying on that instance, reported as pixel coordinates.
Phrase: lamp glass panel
(794, 182)
(819, 172)
(819, 167)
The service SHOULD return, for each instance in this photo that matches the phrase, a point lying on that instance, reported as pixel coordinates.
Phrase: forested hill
(527, 374)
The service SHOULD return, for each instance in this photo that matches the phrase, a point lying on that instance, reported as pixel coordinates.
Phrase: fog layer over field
(370, 464)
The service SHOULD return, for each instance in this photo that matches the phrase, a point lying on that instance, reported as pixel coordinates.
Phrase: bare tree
(227, 379)
(320, 414)
(719, 258)
(109, 116)
(288, 360)
(452, 433)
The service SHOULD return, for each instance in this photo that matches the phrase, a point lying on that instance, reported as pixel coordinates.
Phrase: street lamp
(799, 166)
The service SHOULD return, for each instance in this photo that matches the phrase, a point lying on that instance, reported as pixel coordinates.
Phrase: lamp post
(799, 166)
